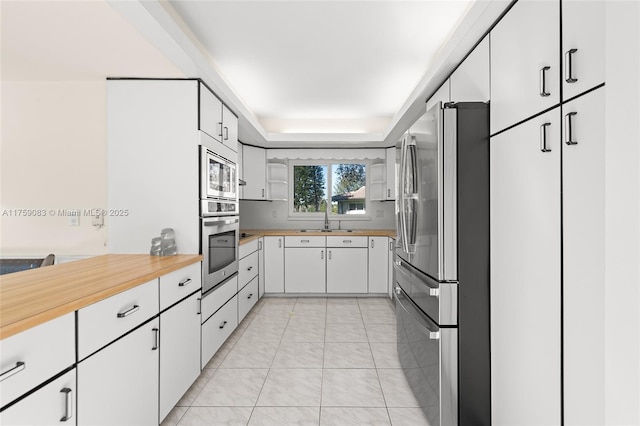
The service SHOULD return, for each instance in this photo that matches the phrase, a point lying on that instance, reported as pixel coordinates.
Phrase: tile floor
(305, 361)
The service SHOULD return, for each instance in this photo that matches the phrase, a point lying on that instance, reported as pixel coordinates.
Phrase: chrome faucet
(326, 220)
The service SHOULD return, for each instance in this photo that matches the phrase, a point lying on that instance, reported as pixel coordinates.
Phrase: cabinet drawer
(213, 300)
(247, 297)
(218, 328)
(248, 248)
(247, 269)
(179, 284)
(338, 241)
(304, 241)
(35, 355)
(105, 321)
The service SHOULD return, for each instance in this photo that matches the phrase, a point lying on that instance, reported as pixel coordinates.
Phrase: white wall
(275, 215)
(622, 213)
(53, 156)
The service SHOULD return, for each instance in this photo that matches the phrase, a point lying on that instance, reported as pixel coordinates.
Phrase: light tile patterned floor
(305, 361)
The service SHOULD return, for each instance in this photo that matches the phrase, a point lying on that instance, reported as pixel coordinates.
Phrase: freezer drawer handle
(184, 282)
(543, 138)
(128, 312)
(568, 134)
(568, 66)
(68, 414)
(543, 82)
(15, 370)
(433, 335)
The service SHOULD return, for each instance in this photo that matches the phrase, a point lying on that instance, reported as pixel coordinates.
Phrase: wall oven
(220, 237)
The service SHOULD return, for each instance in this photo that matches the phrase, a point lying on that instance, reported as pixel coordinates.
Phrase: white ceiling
(297, 72)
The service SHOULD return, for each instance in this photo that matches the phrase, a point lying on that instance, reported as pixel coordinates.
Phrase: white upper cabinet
(254, 171)
(441, 95)
(525, 66)
(210, 113)
(470, 82)
(391, 173)
(582, 46)
(229, 129)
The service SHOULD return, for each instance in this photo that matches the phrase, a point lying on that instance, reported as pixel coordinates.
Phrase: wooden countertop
(257, 233)
(30, 298)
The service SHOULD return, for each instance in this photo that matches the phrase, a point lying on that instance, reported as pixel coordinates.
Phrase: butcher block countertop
(253, 234)
(35, 296)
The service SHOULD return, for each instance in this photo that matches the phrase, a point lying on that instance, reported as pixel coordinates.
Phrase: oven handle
(220, 222)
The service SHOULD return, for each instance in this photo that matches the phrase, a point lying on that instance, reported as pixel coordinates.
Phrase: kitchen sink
(326, 230)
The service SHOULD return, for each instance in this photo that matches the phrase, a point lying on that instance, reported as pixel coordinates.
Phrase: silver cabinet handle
(13, 371)
(304, 241)
(372, 243)
(250, 296)
(184, 282)
(322, 254)
(226, 133)
(199, 306)
(279, 243)
(568, 66)
(543, 138)
(543, 82)
(262, 192)
(128, 312)
(223, 324)
(388, 193)
(68, 413)
(390, 245)
(220, 127)
(346, 241)
(249, 268)
(156, 338)
(568, 134)
(329, 254)
(259, 245)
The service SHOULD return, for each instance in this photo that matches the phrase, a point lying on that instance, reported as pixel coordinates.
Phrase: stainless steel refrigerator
(442, 263)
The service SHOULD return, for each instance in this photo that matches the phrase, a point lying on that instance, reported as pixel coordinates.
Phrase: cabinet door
(260, 267)
(583, 222)
(470, 82)
(254, 172)
(53, 404)
(274, 264)
(525, 274)
(210, 113)
(391, 271)
(378, 264)
(240, 170)
(346, 270)
(229, 129)
(179, 351)
(304, 270)
(523, 45)
(582, 46)
(119, 384)
(391, 173)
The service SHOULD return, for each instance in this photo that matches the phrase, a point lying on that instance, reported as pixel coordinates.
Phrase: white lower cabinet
(52, 404)
(260, 267)
(378, 264)
(274, 264)
(346, 270)
(119, 384)
(247, 297)
(304, 270)
(179, 351)
(218, 328)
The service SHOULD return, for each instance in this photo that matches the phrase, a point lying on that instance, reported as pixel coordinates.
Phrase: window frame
(328, 163)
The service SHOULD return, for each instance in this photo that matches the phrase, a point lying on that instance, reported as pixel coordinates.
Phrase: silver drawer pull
(156, 338)
(304, 241)
(568, 66)
(199, 306)
(568, 133)
(68, 413)
(15, 370)
(347, 241)
(543, 138)
(185, 282)
(249, 268)
(128, 312)
(223, 324)
(250, 296)
(543, 82)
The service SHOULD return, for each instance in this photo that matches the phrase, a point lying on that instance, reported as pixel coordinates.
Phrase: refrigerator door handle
(413, 196)
(402, 215)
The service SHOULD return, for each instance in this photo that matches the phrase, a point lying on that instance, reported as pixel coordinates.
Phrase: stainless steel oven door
(429, 358)
(218, 176)
(219, 248)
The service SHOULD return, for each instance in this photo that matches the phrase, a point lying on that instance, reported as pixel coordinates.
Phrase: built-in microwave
(218, 177)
